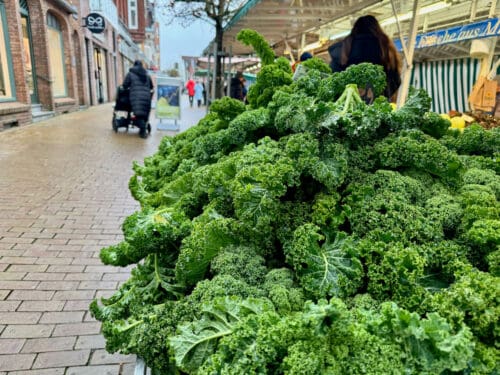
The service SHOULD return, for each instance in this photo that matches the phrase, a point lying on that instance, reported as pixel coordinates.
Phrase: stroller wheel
(148, 127)
(114, 123)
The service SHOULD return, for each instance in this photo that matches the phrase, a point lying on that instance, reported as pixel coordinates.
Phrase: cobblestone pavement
(63, 196)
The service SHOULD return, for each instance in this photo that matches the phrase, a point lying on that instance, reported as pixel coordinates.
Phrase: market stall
(292, 27)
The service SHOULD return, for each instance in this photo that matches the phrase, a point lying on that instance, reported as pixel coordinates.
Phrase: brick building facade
(51, 64)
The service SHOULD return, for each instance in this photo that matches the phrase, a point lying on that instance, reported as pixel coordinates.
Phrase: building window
(7, 90)
(56, 57)
(132, 14)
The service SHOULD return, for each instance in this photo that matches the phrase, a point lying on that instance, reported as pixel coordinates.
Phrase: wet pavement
(63, 196)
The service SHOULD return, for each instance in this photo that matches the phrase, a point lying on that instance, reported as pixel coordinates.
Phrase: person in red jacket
(190, 88)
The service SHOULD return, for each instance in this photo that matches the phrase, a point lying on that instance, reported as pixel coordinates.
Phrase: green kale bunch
(312, 233)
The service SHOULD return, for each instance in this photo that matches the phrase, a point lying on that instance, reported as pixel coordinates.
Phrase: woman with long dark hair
(367, 42)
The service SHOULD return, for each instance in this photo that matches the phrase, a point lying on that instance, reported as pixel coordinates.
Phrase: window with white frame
(132, 14)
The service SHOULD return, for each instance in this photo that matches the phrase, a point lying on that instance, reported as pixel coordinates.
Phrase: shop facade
(51, 63)
(38, 47)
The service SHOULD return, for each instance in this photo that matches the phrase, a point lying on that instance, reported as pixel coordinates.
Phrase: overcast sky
(177, 41)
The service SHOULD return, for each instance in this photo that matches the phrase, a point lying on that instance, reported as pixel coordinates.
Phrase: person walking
(140, 87)
(198, 93)
(367, 42)
(190, 88)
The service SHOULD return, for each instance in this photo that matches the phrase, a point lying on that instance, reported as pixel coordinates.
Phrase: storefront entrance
(100, 75)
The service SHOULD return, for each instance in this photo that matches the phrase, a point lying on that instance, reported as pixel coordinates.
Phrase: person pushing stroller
(141, 89)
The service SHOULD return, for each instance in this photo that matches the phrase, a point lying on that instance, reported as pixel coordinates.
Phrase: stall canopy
(294, 26)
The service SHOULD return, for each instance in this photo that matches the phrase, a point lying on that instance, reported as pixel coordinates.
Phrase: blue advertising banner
(477, 30)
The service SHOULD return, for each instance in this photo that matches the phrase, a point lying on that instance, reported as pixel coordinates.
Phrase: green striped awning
(448, 82)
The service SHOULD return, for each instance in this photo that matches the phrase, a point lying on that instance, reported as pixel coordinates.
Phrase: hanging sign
(95, 23)
(477, 30)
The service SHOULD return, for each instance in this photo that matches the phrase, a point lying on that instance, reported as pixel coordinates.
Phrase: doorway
(29, 65)
(100, 76)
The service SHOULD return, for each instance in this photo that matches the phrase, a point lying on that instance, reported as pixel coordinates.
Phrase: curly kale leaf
(196, 341)
(413, 149)
(241, 262)
(146, 232)
(325, 267)
(429, 345)
(261, 47)
(412, 113)
(208, 237)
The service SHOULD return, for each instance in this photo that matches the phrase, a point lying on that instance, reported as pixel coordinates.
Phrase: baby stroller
(122, 112)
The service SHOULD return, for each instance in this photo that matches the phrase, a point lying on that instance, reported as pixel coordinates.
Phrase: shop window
(132, 14)
(7, 89)
(56, 57)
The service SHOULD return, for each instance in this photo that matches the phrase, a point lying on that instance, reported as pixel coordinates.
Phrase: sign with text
(477, 30)
(95, 23)
(168, 97)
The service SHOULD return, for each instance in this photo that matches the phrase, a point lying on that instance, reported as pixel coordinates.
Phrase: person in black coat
(140, 87)
(237, 88)
(367, 42)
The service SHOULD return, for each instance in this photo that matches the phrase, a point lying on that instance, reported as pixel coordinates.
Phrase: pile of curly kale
(310, 233)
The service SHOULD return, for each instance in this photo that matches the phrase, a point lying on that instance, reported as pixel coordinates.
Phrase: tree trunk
(219, 33)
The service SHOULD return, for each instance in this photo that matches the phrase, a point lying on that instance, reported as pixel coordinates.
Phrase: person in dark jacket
(237, 88)
(140, 87)
(367, 42)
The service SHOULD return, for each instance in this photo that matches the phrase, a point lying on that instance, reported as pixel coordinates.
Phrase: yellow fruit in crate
(445, 116)
(394, 106)
(458, 123)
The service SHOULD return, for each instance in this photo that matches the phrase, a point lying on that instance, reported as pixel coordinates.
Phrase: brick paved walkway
(63, 196)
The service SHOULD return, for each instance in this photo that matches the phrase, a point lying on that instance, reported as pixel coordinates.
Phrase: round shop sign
(95, 23)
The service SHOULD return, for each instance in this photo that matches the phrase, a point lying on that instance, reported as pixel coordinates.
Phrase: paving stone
(94, 285)
(27, 331)
(4, 294)
(11, 346)
(73, 295)
(19, 317)
(63, 317)
(84, 276)
(57, 285)
(77, 305)
(18, 284)
(52, 371)
(94, 370)
(102, 357)
(54, 260)
(102, 269)
(52, 344)
(128, 369)
(65, 268)
(9, 305)
(62, 359)
(41, 305)
(77, 329)
(44, 276)
(10, 362)
(31, 295)
(19, 260)
(115, 277)
(27, 268)
(12, 276)
(90, 342)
